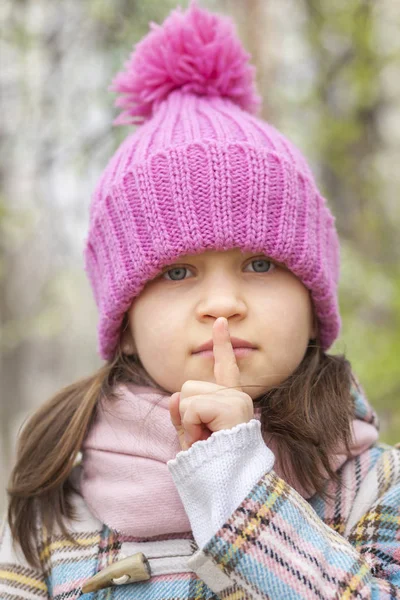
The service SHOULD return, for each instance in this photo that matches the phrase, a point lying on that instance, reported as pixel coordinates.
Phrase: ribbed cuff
(215, 475)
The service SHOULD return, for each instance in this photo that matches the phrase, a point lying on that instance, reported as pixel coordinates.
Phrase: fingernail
(226, 324)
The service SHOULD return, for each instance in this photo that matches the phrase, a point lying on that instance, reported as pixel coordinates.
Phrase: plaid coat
(274, 545)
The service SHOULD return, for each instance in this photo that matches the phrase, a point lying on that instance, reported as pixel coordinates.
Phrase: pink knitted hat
(202, 172)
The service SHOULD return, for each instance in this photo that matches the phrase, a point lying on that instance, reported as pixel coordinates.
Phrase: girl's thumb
(174, 409)
(176, 419)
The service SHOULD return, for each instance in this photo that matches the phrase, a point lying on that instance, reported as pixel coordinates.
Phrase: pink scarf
(125, 479)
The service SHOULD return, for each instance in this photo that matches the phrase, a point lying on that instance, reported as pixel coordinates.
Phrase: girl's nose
(222, 301)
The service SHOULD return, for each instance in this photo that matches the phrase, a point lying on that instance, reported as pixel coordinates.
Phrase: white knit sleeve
(215, 475)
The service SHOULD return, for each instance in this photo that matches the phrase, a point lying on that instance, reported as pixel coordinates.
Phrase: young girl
(224, 453)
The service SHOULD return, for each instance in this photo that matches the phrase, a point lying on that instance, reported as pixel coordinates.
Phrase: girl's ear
(128, 349)
(127, 343)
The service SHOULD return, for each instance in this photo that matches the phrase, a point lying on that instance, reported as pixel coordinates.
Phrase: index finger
(226, 370)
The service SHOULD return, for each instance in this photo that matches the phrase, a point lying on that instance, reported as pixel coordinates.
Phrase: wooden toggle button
(129, 570)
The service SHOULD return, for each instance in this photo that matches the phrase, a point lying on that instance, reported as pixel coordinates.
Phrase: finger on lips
(191, 410)
(226, 370)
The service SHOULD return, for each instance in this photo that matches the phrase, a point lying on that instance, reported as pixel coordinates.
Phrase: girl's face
(264, 303)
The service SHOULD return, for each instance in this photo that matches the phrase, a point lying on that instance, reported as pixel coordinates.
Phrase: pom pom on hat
(197, 52)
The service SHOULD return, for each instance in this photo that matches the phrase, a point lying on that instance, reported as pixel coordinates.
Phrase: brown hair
(310, 412)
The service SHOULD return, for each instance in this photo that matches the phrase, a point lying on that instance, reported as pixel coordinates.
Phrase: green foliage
(348, 100)
(370, 338)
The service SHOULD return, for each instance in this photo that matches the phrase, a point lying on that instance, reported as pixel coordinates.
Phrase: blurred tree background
(329, 76)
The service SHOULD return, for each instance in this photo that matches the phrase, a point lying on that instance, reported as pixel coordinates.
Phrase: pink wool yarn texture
(202, 173)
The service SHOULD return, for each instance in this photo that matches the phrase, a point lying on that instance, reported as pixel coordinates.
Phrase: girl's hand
(201, 407)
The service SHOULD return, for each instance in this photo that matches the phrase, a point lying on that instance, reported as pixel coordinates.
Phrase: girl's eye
(177, 273)
(261, 265)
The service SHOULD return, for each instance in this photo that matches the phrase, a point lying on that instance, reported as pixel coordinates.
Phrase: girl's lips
(236, 343)
(239, 352)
